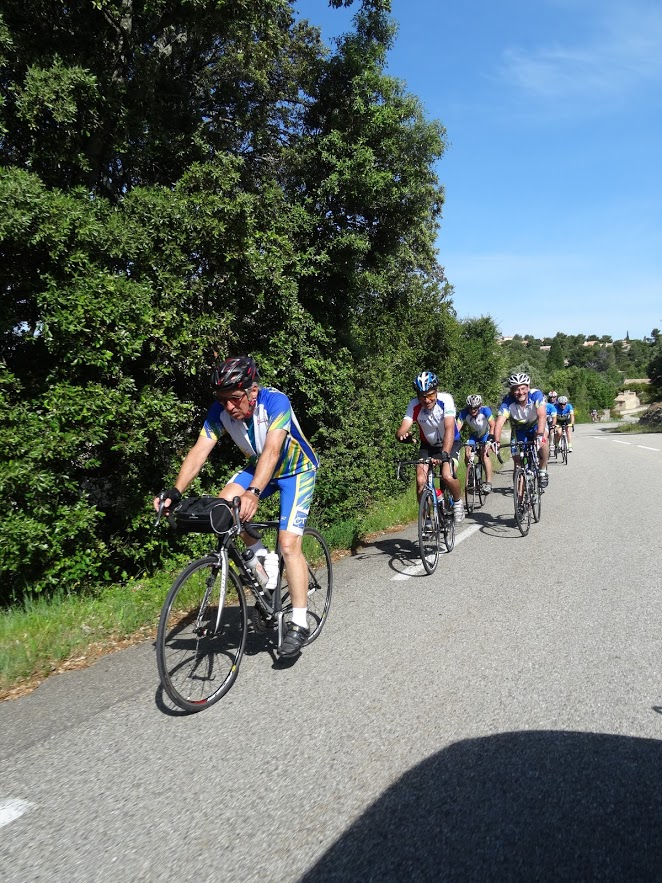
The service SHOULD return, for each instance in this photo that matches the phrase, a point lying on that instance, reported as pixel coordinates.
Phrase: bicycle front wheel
(564, 449)
(448, 520)
(479, 483)
(471, 487)
(201, 635)
(522, 508)
(428, 531)
(320, 582)
(535, 497)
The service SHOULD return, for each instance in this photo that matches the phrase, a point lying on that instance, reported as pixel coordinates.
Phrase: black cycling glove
(171, 494)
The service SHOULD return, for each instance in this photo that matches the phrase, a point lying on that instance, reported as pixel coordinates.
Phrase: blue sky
(553, 174)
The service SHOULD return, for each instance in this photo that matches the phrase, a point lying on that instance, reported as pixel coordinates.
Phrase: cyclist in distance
(526, 410)
(565, 419)
(261, 422)
(434, 412)
(551, 411)
(480, 420)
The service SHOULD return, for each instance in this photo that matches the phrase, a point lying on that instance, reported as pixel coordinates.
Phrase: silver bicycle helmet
(517, 379)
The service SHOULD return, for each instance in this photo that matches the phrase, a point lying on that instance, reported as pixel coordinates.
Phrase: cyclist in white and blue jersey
(434, 412)
(565, 420)
(552, 396)
(480, 420)
(261, 422)
(526, 410)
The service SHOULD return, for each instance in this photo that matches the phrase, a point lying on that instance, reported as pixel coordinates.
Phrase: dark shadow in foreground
(517, 806)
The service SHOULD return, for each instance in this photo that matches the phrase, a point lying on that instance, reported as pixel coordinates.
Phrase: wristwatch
(254, 490)
(445, 457)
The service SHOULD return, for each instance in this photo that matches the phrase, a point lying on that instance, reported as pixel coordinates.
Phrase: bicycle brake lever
(160, 512)
(236, 505)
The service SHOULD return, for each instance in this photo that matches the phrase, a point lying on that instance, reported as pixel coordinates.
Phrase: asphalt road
(499, 720)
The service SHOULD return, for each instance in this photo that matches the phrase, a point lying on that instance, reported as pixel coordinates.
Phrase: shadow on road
(402, 552)
(518, 806)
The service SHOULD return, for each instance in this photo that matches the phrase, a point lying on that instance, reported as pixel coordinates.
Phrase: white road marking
(417, 569)
(646, 448)
(618, 442)
(10, 810)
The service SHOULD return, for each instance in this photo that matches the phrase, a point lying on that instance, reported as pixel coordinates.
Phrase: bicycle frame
(430, 462)
(269, 600)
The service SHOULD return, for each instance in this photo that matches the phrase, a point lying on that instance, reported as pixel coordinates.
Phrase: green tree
(655, 371)
(555, 358)
(182, 181)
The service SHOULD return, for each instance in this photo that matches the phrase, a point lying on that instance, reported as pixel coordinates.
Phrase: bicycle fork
(212, 628)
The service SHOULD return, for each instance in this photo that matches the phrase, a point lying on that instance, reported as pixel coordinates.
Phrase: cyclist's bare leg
(297, 570)
(543, 455)
(468, 456)
(451, 483)
(487, 466)
(421, 479)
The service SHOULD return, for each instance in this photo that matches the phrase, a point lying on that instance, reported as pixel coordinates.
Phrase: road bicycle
(473, 489)
(204, 620)
(526, 485)
(562, 447)
(435, 514)
(553, 449)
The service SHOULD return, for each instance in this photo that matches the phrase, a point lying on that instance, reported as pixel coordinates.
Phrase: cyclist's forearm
(266, 465)
(193, 463)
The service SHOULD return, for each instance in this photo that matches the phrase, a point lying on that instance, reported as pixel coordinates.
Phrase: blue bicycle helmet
(426, 381)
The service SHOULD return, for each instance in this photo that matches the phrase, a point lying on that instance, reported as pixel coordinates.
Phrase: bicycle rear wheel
(320, 582)
(522, 507)
(471, 487)
(197, 651)
(428, 530)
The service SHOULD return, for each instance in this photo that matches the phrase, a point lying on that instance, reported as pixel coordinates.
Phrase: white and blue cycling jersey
(551, 413)
(522, 416)
(479, 424)
(296, 469)
(272, 411)
(431, 421)
(564, 413)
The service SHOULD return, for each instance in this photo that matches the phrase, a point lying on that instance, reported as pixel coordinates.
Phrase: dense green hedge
(180, 182)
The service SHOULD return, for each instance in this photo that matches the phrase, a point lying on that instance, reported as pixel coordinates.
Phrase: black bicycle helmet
(237, 373)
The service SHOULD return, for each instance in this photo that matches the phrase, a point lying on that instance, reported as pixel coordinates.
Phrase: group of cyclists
(531, 418)
(261, 422)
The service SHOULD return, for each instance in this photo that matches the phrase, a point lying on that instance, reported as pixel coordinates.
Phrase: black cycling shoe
(295, 638)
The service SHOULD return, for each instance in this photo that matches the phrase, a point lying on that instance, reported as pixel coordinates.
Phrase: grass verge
(634, 427)
(48, 635)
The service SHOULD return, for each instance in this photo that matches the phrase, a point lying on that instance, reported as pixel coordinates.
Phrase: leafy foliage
(183, 181)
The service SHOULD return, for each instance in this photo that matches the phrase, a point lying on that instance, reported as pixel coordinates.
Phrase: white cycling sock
(299, 616)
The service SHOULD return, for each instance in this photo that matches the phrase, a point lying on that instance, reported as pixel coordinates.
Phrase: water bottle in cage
(254, 563)
(271, 567)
